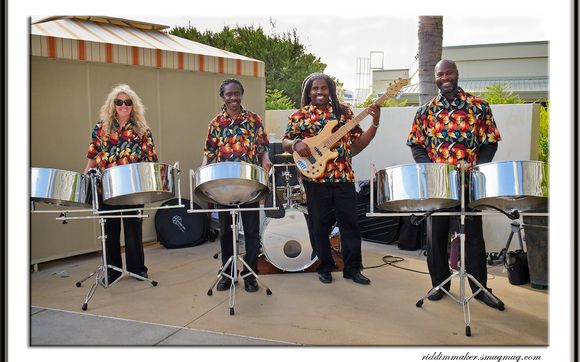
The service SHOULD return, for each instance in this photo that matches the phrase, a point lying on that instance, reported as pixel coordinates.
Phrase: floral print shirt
(308, 122)
(121, 146)
(239, 139)
(454, 130)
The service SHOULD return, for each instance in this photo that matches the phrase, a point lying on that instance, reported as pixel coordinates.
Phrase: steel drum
(138, 183)
(231, 183)
(509, 185)
(418, 187)
(286, 242)
(60, 187)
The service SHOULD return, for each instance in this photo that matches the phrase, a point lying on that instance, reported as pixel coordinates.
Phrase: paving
(301, 311)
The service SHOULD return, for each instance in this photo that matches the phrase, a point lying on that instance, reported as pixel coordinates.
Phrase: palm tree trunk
(430, 48)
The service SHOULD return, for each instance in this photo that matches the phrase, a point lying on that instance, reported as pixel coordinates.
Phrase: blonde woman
(122, 136)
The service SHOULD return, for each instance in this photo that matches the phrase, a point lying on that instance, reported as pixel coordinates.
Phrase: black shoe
(325, 277)
(489, 301)
(357, 277)
(437, 295)
(251, 285)
(224, 284)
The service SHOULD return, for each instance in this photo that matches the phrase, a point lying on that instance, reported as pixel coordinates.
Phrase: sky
(338, 32)
(340, 40)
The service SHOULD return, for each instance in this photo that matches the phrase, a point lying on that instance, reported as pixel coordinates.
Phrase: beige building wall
(510, 60)
(65, 98)
(383, 78)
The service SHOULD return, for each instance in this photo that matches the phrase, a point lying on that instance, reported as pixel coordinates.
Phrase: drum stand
(101, 275)
(461, 273)
(233, 261)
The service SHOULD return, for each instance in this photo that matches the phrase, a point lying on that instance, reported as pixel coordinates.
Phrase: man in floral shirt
(237, 135)
(334, 191)
(452, 127)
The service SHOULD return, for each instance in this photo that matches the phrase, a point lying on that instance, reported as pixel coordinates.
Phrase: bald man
(452, 127)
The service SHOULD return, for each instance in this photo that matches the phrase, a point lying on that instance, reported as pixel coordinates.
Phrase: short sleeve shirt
(122, 146)
(239, 139)
(309, 121)
(454, 130)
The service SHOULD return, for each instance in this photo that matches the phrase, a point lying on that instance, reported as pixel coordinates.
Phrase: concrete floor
(300, 311)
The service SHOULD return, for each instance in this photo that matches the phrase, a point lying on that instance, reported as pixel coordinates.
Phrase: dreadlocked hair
(307, 86)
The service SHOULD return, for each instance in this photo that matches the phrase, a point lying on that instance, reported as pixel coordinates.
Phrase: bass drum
(286, 242)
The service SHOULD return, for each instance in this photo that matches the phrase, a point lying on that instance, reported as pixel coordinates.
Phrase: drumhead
(286, 242)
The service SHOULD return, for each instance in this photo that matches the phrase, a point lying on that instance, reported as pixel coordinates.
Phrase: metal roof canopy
(121, 41)
(516, 85)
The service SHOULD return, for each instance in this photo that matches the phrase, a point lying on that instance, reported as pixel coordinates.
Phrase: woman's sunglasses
(119, 102)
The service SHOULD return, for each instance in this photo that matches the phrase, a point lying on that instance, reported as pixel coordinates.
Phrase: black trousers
(327, 202)
(133, 228)
(251, 223)
(437, 256)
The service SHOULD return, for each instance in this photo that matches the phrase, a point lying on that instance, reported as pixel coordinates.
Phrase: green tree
(500, 93)
(388, 103)
(544, 137)
(275, 99)
(286, 61)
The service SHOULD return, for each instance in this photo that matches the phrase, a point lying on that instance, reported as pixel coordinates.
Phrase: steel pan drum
(418, 187)
(60, 187)
(231, 183)
(286, 242)
(137, 183)
(509, 185)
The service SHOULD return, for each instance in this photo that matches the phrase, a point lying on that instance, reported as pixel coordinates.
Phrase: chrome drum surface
(286, 242)
(231, 183)
(138, 183)
(509, 185)
(60, 187)
(418, 187)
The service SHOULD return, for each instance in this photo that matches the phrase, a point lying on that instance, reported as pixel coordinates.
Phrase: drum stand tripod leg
(234, 268)
(251, 272)
(101, 277)
(101, 274)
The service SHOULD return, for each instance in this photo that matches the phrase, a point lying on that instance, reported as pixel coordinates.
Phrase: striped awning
(120, 41)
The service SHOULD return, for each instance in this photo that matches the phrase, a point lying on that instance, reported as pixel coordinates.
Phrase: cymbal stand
(461, 273)
(233, 260)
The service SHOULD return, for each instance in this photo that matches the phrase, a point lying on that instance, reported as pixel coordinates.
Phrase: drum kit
(131, 184)
(513, 188)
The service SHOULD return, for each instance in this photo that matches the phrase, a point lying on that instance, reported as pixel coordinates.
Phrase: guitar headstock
(392, 90)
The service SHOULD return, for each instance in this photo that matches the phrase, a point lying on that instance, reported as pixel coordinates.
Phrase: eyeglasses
(120, 102)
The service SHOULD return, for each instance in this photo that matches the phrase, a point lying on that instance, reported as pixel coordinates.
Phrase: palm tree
(430, 47)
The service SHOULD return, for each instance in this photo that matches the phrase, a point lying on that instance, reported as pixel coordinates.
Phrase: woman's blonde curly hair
(108, 112)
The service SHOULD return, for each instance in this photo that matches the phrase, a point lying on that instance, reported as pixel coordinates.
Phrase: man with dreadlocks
(334, 191)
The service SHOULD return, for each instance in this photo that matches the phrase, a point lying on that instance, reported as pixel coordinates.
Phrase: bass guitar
(322, 145)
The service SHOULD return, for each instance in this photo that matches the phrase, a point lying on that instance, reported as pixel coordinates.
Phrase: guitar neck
(336, 136)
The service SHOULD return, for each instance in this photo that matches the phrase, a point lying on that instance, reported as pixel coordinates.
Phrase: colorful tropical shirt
(239, 139)
(454, 130)
(308, 122)
(120, 147)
